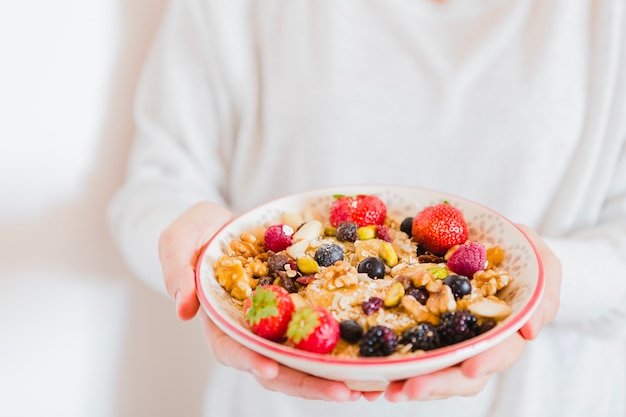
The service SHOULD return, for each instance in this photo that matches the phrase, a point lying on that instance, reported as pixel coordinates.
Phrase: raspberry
(372, 305)
(378, 341)
(278, 237)
(424, 336)
(457, 326)
(383, 233)
(468, 259)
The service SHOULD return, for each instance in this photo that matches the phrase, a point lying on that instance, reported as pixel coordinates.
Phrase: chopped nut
(394, 294)
(232, 275)
(416, 310)
(441, 301)
(340, 275)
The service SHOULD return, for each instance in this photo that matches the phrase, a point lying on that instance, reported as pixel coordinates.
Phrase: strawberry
(468, 259)
(313, 329)
(439, 227)
(268, 311)
(278, 237)
(363, 210)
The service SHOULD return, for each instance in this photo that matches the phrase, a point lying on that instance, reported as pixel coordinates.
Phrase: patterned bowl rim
(245, 336)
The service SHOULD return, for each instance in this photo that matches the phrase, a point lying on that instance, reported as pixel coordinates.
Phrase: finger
(298, 384)
(550, 302)
(442, 384)
(179, 247)
(178, 257)
(372, 395)
(232, 354)
(496, 359)
(270, 374)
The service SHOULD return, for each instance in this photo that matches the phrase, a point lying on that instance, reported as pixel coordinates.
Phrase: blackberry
(378, 341)
(459, 285)
(407, 226)
(372, 266)
(424, 336)
(328, 254)
(346, 232)
(457, 326)
(350, 331)
(486, 325)
(372, 305)
(421, 294)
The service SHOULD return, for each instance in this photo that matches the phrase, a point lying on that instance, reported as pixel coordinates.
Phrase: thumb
(179, 247)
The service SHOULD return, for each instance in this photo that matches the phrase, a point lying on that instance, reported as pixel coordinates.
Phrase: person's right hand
(179, 247)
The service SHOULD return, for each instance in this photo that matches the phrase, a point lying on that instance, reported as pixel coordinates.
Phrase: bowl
(523, 295)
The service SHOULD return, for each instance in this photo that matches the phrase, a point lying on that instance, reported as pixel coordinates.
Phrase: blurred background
(79, 335)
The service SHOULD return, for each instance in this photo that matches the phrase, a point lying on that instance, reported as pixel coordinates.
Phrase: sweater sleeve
(178, 155)
(593, 293)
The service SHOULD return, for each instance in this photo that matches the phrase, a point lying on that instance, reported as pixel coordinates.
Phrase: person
(516, 104)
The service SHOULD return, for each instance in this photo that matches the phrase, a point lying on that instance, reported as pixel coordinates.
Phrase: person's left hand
(470, 377)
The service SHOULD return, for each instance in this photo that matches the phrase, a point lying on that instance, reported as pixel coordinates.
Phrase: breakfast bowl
(521, 294)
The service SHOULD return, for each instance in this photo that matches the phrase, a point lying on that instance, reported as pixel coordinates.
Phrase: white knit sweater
(517, 104)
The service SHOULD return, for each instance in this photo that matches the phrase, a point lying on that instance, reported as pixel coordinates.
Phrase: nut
(388, 254)
(394, 294)
(340, 275)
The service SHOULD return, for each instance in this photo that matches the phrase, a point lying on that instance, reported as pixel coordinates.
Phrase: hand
(179, 247)
(470, 377)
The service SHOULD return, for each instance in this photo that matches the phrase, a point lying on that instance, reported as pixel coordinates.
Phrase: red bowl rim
(498, 332)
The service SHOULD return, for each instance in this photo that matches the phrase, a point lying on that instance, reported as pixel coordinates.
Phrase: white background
(79, 336)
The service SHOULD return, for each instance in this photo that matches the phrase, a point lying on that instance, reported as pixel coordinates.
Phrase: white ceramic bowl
(523, 294)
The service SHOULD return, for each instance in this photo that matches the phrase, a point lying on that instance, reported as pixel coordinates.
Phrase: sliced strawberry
(268, 311)
(313, 329)
(439, 227)
(363, 210)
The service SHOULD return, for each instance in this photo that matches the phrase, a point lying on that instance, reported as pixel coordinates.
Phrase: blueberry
(327, 255)
(373, 267)
(350, 331)
(459, 285)
(407, 226)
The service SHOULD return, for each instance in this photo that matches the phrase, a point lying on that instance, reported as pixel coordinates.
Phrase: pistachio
(394, 295)
(388, 254)
(438, 272)
(366, 232)
(307, 265)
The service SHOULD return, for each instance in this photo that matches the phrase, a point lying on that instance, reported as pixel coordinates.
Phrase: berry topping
(457, 326)
(313, 329)
(346, 231)
(468, 259)
(459, 285)
(437, 228)
(424, 336)
(362, 209)
(382, 232)
(372, 305)
(277, 261)
(378, 341)
(278, 237)
(268, 311)
(372, 266)
(350, 331)
(421, 294)
(407, 226)
(327, 255)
